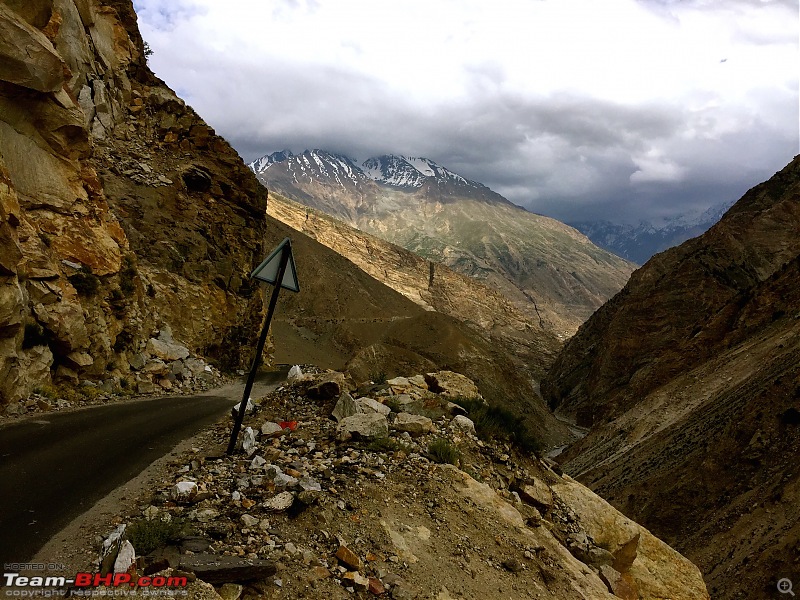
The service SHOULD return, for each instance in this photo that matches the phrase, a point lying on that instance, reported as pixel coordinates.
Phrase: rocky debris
(376, 516)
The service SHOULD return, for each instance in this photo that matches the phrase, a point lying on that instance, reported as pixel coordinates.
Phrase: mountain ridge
(689, 379)
(462, 224)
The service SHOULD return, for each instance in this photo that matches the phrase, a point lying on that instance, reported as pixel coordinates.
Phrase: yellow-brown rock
(658, 571)
(102, 241)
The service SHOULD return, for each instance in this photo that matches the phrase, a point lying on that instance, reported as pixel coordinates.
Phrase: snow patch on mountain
(265, 162)
(411, 172)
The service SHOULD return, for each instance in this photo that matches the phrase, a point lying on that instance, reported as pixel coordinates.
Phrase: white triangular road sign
(267, 271)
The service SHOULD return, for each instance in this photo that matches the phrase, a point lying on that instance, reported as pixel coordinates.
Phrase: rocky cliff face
(120, 210)
(690, 379)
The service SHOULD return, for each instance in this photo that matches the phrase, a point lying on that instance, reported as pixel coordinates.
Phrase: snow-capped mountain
(397, 172)
(639, 242)
(265, 162)
(313, 165)
(406, 172)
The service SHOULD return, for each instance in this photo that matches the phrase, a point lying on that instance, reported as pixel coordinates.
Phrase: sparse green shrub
(147, 536)
(493, 422)
(393, 405)
(91, 393)
(34, 335)
(85, 282)
(48, 391)
(443, 451)
(383, 444)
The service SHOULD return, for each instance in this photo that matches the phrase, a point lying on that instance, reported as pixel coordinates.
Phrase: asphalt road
(55, 466)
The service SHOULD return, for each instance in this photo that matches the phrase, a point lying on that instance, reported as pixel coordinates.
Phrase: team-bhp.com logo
(88, 581)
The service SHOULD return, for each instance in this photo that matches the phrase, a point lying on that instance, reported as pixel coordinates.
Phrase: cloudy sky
(579, 109)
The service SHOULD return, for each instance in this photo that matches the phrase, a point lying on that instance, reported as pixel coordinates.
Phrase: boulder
(145, 386)
(125, 557)
(368, 405)
(138, 361)
(183, 491)
(249, 443)
(346, 407)
(618, 584)
(657, 570)
(27, 57)
(280, 502)
(167, 351)
(451, 385)
(418, 381)
(365, 425)
(325, 390)
(537, 493)
(216, 569)
(415, 425)
(295, 373)
(268, 428)
(463, 423)
(348, 558)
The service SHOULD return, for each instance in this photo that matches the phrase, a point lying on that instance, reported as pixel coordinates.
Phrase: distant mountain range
(448, 219)
(640, 242)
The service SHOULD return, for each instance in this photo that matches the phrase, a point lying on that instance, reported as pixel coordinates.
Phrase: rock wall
(121, 211)
(690, 378)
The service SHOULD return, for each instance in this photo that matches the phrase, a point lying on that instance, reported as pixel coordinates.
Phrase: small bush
(493, 422)
(393, 405)
(48, 391)
(378, 378)
(91, 393)
(85, 282)
(443, 451)
(147, 536)
(383, 444)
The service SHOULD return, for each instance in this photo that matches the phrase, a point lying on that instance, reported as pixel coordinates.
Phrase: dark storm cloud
(568, 155)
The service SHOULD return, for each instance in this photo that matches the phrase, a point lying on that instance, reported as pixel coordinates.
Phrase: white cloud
(562, 105)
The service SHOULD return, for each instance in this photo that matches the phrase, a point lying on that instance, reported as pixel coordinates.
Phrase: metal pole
(237, 426)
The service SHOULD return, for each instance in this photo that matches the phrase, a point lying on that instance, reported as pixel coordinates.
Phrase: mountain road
(55, 466)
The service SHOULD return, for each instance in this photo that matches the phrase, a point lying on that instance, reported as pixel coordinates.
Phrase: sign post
(279, 269)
